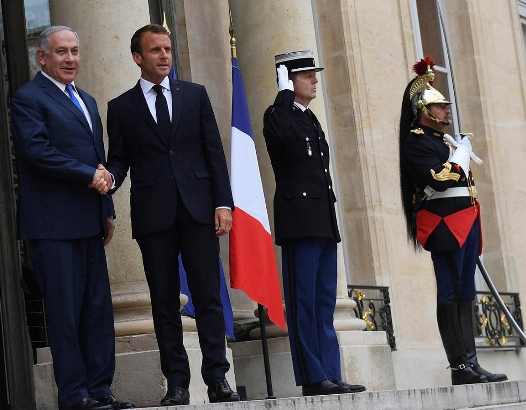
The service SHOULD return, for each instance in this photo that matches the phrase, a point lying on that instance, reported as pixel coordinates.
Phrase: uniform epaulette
(418, 131)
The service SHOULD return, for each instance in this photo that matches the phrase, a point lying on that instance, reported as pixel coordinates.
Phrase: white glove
(463, 140)
(461, 154)
(283, 79)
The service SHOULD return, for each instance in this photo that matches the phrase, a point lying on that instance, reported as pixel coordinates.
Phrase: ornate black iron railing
(491, 323)
(373, 306)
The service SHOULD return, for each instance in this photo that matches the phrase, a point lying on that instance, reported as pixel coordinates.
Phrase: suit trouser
(199, 248)
(309, 283)
(73, 278)
(455, 270)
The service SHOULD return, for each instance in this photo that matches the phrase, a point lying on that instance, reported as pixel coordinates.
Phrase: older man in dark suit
(165, 132)
(57, 133)
(305, 225)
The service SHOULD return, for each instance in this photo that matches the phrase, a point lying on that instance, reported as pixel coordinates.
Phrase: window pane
(441, 84)
(37, 20)
(428, 20)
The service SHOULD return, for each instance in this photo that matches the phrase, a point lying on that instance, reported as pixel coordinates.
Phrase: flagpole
(268, 377)
(261, 312)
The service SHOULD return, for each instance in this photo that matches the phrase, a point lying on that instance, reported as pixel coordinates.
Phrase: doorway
(16, 359)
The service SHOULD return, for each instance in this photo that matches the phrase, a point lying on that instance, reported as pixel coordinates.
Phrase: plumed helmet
(422, 93)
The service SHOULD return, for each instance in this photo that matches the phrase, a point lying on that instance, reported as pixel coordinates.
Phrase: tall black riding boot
(461, 372)
(465, 321)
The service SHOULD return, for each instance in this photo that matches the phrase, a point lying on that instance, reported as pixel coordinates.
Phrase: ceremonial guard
(305, 225)
(442, 213)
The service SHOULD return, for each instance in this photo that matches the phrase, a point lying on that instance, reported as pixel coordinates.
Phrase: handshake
(102, 180)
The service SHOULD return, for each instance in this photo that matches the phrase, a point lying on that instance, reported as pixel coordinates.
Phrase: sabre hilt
(454, 143)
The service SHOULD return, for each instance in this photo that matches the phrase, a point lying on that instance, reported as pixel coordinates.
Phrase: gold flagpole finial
(232, 38)
(165, 24)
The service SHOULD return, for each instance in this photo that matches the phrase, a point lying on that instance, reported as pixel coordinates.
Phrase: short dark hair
(135, 45)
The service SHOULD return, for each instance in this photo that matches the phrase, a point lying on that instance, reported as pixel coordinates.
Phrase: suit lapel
(54, 92)
(176, 89)
(316, 123)
(142, 107)
(93, 113)
(304, 118)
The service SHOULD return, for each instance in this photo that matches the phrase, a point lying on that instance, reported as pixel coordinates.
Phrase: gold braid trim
(445, 174)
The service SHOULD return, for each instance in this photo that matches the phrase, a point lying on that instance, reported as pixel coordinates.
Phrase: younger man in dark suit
(57, 133)
(305, 225)
(165, 132)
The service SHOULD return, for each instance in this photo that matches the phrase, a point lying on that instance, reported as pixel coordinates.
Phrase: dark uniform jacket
(299, 153)
(442, 224)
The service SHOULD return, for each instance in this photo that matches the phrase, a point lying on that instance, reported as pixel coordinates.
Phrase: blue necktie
(163, 116)
(69, 89)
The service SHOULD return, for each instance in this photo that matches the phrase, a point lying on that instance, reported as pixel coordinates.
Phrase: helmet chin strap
(432, 117)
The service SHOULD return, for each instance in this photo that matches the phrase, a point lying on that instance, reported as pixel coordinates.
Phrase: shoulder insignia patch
(436, 134)
(418, 131)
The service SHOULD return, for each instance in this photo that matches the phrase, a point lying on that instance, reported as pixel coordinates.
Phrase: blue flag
(225, 298)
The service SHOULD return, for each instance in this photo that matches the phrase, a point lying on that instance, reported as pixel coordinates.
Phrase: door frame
(17, 356)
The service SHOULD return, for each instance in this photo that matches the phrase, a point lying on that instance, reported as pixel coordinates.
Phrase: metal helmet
(422, 93)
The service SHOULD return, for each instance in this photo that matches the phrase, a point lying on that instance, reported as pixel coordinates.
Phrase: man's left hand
(223, 221)
(111, 229)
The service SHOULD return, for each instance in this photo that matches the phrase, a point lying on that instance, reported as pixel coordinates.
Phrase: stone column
(107, 70)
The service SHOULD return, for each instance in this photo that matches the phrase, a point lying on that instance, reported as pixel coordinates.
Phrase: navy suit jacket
(57, 155)
(192, 163)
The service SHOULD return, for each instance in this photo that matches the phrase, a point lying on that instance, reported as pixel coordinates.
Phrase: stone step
(506, 395)
(513, 406)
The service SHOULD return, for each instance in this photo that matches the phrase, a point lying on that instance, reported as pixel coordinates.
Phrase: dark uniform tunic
(305, 227)
(447, 227)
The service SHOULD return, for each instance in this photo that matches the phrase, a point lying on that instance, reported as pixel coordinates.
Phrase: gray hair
(43, 39)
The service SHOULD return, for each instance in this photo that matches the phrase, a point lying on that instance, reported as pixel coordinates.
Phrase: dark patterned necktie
(163, 116)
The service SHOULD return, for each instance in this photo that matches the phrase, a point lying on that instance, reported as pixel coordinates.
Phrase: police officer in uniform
(305, 225)
(443, 216)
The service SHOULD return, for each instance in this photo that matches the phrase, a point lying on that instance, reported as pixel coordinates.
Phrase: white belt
(449, 193)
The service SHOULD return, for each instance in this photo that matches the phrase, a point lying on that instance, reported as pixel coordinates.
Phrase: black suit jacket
(299, 153)
(193, 162)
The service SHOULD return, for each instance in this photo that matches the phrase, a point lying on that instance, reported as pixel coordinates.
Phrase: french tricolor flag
(253, 266)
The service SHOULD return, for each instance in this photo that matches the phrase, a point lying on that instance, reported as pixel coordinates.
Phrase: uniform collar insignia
(418, 131)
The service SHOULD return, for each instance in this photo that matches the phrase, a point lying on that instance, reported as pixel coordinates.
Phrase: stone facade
(367, 49)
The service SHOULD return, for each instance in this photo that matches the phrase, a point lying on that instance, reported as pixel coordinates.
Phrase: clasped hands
(102, 180)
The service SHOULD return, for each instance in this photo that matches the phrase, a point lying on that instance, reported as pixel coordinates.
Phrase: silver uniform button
(322, 154)
(325, 169)
(329, 187)
(304, 194)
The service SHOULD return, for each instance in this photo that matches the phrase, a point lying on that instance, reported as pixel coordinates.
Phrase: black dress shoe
(220, 391)
(492, 377)
(464, 374)
(354, 388)
(322, 388)
(87, 403)
(176, 396)
(110, 399)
